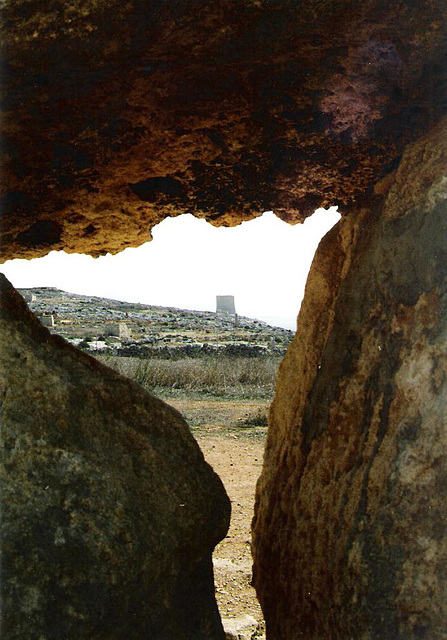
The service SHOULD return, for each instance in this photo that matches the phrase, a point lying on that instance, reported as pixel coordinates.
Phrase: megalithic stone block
(350, 530)
(116, 115)
(109, 512)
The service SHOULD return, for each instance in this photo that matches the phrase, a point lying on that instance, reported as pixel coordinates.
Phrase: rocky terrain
(132, 329)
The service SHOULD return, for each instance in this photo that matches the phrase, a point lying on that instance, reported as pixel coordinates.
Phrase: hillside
(125, 328)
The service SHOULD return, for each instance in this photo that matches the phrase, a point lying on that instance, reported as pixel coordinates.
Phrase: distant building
(225, 305)
(47, 320)
(119, 330)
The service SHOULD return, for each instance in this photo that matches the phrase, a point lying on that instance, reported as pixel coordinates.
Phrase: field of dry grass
(246, 377)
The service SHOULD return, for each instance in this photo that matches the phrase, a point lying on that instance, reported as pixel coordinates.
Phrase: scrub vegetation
(246, 377)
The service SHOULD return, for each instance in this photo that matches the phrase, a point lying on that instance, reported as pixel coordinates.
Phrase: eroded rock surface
(350, 528)
(109, 511)
(118, 114)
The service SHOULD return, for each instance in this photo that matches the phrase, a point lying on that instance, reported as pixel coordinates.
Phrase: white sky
(264, 263)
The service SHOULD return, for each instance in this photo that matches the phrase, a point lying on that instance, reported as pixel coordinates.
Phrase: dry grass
(249, 377)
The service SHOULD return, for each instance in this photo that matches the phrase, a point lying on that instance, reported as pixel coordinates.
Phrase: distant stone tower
(225, 305)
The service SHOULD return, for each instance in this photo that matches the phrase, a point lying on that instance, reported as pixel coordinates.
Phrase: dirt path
(238, 462)
(235, 451)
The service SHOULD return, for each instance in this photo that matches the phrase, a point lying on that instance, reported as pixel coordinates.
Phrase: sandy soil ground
(238, 462)
(235, 450)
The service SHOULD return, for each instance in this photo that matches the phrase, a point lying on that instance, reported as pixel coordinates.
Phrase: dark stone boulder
(109, 511)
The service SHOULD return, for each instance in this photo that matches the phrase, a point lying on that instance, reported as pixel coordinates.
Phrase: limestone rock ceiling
(118, 114)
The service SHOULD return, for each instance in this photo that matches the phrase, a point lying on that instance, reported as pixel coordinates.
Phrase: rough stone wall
(109, 513)
(350, 526)
(117, 114)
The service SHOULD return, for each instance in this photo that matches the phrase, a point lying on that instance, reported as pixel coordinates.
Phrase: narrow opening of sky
(264, 263)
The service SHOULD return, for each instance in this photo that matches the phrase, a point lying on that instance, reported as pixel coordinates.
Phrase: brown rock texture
(117, 114)
(109, 511)
(350, 526)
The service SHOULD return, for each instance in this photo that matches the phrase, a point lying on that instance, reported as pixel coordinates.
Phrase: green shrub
(84, 344)
(258, 418)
